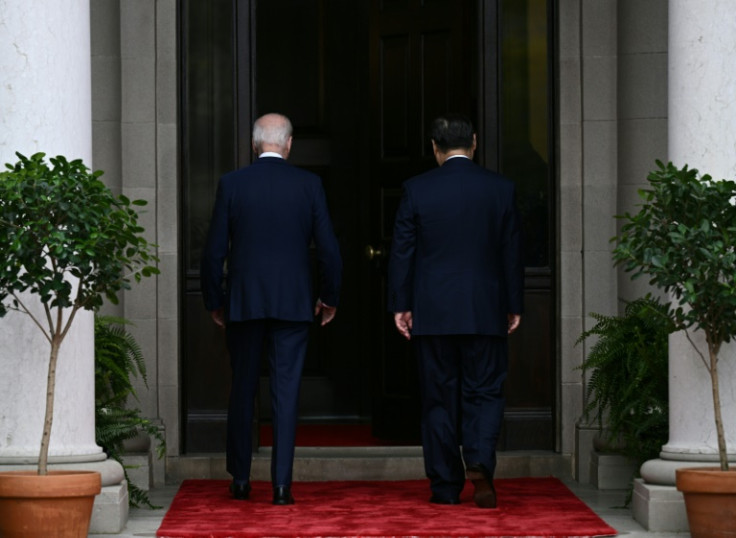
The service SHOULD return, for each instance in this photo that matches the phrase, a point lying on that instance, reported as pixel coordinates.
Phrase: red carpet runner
(528, 507)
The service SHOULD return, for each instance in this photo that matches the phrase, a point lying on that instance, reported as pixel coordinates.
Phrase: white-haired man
(266, 215)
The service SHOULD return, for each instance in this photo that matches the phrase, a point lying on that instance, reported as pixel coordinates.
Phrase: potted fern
(683, 239)
(627, 389)
(70, 242)
(119, 359)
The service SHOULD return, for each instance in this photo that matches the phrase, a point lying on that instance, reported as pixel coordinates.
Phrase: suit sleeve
(215, 253)
(401, 262)
(513, 257)
(328, 251)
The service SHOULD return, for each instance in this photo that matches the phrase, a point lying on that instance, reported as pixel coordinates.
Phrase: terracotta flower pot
(56, 505)
(710, 499)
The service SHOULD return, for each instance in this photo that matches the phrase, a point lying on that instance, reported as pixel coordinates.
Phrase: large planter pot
(56, 505)
(710, 500)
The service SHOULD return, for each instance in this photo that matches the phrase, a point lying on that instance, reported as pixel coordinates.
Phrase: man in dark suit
(456, 289)
(265, 218)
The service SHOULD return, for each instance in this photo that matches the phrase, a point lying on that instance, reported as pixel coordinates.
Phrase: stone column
(702, 86)
(45, 106)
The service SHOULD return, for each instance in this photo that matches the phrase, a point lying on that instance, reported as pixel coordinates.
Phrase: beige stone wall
(570, 219)
(135, 115)
(642, 107)
(612, 99)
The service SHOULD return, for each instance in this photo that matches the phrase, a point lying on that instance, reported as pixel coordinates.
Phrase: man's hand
(328, 312)
(403, 321)
(218, 316)
(514, 322)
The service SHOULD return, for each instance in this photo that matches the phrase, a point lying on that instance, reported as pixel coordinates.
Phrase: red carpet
(528, 507)
(328, 435)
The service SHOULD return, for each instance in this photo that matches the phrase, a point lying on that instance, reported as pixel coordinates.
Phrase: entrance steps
(361, 463)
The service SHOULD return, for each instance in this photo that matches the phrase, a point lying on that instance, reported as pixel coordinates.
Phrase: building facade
(607, 123)
(570, 97)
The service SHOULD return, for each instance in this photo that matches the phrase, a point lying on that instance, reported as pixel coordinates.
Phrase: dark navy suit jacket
(265, 218)
(456, 257)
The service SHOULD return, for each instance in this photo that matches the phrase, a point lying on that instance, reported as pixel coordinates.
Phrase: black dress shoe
(485, 493)
(436, 499)
(282, 495)
(240, 492)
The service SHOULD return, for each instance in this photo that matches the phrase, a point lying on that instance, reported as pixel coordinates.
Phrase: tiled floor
(609, 507)
(607, 504)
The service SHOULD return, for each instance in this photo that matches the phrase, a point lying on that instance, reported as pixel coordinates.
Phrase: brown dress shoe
(485, 493)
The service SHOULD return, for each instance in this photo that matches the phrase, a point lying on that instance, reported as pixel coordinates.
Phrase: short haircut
(452, 131)
(277, 133)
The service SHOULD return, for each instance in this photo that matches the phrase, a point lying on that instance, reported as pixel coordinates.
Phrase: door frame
(487, 120)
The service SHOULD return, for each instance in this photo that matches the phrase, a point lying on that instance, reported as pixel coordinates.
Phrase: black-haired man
(456, 289)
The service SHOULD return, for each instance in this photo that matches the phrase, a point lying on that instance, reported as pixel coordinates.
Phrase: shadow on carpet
(527, 507)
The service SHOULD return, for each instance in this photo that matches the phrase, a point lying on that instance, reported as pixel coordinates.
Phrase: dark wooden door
(305, 67)
(361, 80)
(422, 61)
(428, 58)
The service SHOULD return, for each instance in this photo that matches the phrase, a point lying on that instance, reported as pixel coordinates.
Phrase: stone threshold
(361, 463)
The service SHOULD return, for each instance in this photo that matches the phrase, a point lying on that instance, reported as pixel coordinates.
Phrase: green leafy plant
(683, 238)
(627, 391)
(118, 360)
(66, 238)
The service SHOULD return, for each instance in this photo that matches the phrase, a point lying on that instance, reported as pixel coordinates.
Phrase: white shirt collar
(270, 154)
(454, 156)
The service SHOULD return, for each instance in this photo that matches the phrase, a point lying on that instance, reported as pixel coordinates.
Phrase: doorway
(361, 81)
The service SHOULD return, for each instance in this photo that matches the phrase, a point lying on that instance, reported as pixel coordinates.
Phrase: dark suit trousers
(285, 345)
(461, 380)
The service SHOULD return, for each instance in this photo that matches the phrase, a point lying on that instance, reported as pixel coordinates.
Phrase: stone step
(361, 463)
